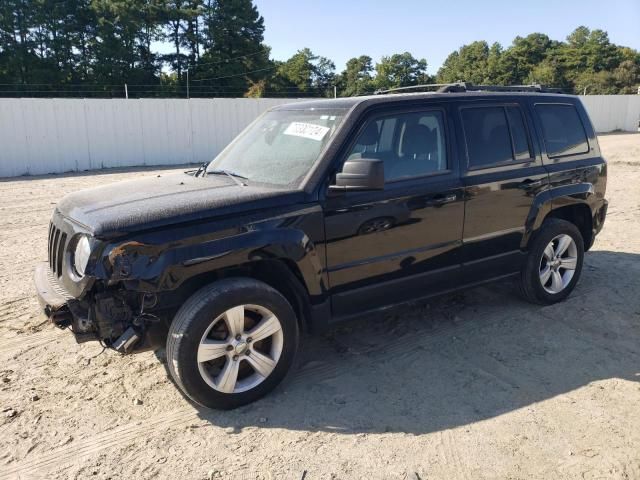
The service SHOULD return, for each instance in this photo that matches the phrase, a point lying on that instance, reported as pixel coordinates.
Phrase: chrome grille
(57, 244)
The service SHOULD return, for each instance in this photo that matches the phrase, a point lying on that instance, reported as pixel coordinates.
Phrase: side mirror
(360, 174)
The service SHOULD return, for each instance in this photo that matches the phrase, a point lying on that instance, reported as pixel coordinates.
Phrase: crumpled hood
(140, 204)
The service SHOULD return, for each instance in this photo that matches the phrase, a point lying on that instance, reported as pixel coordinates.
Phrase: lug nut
(229, 348)
(248, 352)
(235, 358)
(249, 340)
(238, 337)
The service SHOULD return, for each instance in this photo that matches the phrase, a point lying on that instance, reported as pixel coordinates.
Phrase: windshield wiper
(232, 175)
(201, 169)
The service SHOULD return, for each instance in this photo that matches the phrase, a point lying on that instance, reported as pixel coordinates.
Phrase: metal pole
(335, 92)
(187, 82)
(126, 92)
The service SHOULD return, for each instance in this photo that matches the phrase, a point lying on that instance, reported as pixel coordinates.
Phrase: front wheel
(554, 262)
(232, 342)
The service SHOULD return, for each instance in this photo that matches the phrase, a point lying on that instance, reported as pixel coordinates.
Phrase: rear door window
(562, 130)
(495, 135)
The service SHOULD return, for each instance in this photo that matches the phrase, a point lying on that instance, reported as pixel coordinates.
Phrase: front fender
(163, 261)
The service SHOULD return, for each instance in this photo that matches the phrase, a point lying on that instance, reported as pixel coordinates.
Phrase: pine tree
(356, 79)
(181, 29)
(234, 56)
(18, 50)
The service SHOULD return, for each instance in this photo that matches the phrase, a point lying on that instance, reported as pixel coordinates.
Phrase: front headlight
(81, 255)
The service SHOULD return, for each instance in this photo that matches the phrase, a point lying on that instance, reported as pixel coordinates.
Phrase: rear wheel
(232, 342)
(554, 262)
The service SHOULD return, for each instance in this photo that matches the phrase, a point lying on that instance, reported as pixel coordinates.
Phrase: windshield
(279, 147)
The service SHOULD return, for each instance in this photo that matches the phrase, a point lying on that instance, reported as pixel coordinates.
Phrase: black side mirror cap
(360, 174)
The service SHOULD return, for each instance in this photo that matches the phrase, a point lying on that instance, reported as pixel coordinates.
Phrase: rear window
(562, 130)
(495, 135)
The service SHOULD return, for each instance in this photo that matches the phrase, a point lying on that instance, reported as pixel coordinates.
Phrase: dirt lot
(475, 385)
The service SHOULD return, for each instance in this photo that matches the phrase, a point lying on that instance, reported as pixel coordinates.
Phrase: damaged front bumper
(53, 299)
(65, 311)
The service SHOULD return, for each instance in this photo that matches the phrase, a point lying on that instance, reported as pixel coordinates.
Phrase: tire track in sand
(118, 436)
(122, 435)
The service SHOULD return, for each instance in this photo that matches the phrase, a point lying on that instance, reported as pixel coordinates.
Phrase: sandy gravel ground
(474, 385)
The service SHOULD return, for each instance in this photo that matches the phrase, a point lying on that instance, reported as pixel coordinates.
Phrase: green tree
(356, 79)
(590, 50)
(589, 60)
(18, 57)
(80, 46)
(400, 70)
(590, 82)
(179, 17)
(323, 77)
(469, 64)
(235, 56)
(192, 36)
(305, 73)
(45, 42)
(121, 50)
(627, 76)
(152, 13)
(586, 60)
(549, 72)
(524, 54)
(296, 72)
(496, 73)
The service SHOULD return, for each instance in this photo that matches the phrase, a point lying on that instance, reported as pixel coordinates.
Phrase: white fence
(59, 135)
(613, 112)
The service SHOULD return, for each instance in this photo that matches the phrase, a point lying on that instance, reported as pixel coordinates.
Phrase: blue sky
(432, 29)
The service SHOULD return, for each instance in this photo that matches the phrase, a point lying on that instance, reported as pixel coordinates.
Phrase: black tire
(197, 314)
(530, 284)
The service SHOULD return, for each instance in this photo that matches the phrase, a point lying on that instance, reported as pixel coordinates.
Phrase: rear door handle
(529, 183)
(442, 199)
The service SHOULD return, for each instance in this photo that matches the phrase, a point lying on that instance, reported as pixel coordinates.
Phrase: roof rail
(412, 87)
(470, 87)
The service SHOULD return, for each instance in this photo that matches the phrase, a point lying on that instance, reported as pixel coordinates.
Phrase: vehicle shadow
(459, 359)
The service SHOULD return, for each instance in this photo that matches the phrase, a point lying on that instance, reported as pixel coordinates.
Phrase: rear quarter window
(562, 129)
(521, 147)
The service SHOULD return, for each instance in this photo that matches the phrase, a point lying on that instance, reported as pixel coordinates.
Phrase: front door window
(410, 144)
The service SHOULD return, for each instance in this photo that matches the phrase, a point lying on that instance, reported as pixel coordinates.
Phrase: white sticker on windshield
(307, 130)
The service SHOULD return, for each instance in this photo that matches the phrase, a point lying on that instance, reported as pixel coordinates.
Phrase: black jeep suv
(322, 211)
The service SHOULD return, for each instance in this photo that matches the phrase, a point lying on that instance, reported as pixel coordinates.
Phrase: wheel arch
(571, 203)
(282, 274)
(580, 215)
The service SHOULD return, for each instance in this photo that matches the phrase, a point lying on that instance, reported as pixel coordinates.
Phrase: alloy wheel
(240, 348)
(558, 263)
